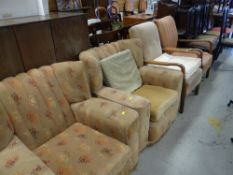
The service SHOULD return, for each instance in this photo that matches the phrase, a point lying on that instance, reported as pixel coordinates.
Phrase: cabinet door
(70, 37)
(10, 61)
(36, 44)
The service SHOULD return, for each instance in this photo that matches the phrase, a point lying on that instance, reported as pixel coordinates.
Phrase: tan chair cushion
(213, 39)
(161, 99)
(17, 159)
(82, 150)
(207, 58)
(121, 72)
(167, 31)
(149, 35)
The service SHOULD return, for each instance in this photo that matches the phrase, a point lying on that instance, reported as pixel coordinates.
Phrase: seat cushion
(82, 150)
(161, 99)
(121, 72)
(191, 64)
(17, 159)
(204, 45)
(206, 58)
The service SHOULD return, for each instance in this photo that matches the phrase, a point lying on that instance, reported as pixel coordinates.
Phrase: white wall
(22, 8)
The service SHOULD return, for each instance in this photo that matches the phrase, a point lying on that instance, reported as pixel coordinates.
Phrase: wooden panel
(10, 63)
(70, 37)
(52, 5)
(36, 44)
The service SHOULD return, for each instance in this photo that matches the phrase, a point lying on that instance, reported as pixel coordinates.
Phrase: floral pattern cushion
(112, 119)
(6, 128)
(140, 104)
(17, 159)
(72, 80)
(82, 150)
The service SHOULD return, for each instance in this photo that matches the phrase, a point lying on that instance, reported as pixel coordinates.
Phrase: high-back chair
(149, 35)
(155, 94)
(169, 41)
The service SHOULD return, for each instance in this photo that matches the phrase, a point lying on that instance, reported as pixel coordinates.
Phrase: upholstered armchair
(50, 124)
(169, 40)
(191, 67)
(157, 97)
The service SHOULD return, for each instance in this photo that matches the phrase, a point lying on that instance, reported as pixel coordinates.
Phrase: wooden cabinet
(31, 42)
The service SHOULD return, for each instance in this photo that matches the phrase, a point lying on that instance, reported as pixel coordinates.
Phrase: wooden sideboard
(31, 42)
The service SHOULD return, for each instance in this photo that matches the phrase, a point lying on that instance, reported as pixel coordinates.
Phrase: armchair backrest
(91, 58)
(167, 31)
(6, 129)
(36, 102)
(148, 33)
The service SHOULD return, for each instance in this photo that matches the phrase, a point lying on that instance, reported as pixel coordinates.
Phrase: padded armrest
(112, 119)
(198, 41)
(140, 104)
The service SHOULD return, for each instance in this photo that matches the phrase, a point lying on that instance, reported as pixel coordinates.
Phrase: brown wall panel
(10, 63)
(35, 44)
(70, 37)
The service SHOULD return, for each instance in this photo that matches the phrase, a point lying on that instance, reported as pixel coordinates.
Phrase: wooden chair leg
(182, 101)
(207, 73)
(196, 91)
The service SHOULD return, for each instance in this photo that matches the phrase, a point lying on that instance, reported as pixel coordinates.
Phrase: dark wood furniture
(31, 42)
(138, 18)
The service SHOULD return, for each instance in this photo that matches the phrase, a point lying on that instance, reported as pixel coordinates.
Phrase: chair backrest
(101, 13)
(224, 23)
(91, 58)
(167, 31)
(129, 7)
(148, 33)
(142, 5)
(37, 102)
(6, 129)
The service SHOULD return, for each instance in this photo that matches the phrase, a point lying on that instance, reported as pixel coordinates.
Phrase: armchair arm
(197, 52)
(140, 104)
(112, 119)
(165, 77)
(198, 41)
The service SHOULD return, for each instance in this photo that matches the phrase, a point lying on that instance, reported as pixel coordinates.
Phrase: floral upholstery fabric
(140, 104)
(54, 85)
(112, 119)
(72, 80)
(17, 159)
(6, 128)
(82, 150)
(92, 57)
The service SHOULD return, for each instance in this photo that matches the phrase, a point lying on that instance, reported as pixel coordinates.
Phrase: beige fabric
(72, 80)
(92, 57)
(167, 78)
(194, 80)
(33, 117)
(55, 88)
(120, 71)
(159, 128)
(167, 31)
(112, 119)
(161, 99)
(82, 150)
(149, 35)
(213, 39)
(206, 59)
(17, 159)
(6, 128)
(140, 104)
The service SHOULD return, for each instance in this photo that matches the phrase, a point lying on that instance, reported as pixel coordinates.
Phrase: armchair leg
(182, 101)
(196, 91)
(207, 73)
